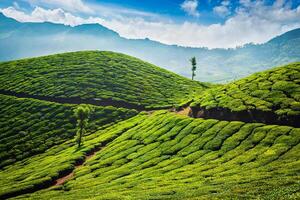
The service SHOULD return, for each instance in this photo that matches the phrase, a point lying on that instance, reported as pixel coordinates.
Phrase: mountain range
(20, 40)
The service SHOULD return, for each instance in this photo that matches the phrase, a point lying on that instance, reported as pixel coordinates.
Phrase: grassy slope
(165, 155)
(276, 90)
(29, 126)
(95, 74)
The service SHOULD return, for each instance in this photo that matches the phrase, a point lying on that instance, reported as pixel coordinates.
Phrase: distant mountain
(290, 35)
(19, 40)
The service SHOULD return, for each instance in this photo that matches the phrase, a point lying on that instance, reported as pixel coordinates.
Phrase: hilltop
(105, 78)
(20, 40)
(271, 96)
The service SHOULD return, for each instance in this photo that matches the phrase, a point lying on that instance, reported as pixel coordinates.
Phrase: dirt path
(59, 181)
(185, 111)
(64, 179)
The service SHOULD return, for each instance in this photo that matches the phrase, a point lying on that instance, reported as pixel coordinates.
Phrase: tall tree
(82, 113)
(194, 66)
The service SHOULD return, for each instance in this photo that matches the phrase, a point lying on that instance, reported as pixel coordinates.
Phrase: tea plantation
(276, 90)
(167, 156)
(97, 75)
(29, 126)
(142, 153)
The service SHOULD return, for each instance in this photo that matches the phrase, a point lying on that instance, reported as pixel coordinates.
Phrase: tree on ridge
(194, 66)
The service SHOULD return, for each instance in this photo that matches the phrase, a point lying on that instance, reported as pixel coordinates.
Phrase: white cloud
(190, 7)
(16, 14)
(255, 23)
(48, 15)
(69, 5)
(95, 9)
(223, 10)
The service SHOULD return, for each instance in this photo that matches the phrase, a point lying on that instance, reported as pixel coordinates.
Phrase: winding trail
(68, 176)
(62, 179)
(63, 176)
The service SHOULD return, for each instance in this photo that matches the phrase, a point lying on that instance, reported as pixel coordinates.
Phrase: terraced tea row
(30, 127)
(42, 171)
(99, 76)
(271, 96)
(164, 155)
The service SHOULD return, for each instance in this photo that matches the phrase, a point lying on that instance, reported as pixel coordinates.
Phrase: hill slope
(100, 76)
(164, 155)
(19, 40)
(265, 96)
(29, 127)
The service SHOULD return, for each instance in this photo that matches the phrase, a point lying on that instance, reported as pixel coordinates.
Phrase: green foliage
(97, 74)
(276, 90)
(30, 127)
(167, 156)
(82, 114)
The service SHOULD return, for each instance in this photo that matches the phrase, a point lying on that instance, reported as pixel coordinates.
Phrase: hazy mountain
(19, 40)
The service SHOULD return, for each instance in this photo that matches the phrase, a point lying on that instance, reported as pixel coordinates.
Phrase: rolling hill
(136, 146)
(19, 40)
(104, 78)
(271, 96)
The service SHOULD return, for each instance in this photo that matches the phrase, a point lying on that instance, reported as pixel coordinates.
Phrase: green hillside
(30, 127)
(97, 75)
(222, 153)
(167, 156)
(276, 90)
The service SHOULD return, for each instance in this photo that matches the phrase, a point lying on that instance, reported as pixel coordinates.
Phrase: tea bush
(30, 127)
(200, 159)
(275, 90)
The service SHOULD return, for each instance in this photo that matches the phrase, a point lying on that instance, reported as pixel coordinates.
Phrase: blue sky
(197, 23)
(165, 8)
(169, 8)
